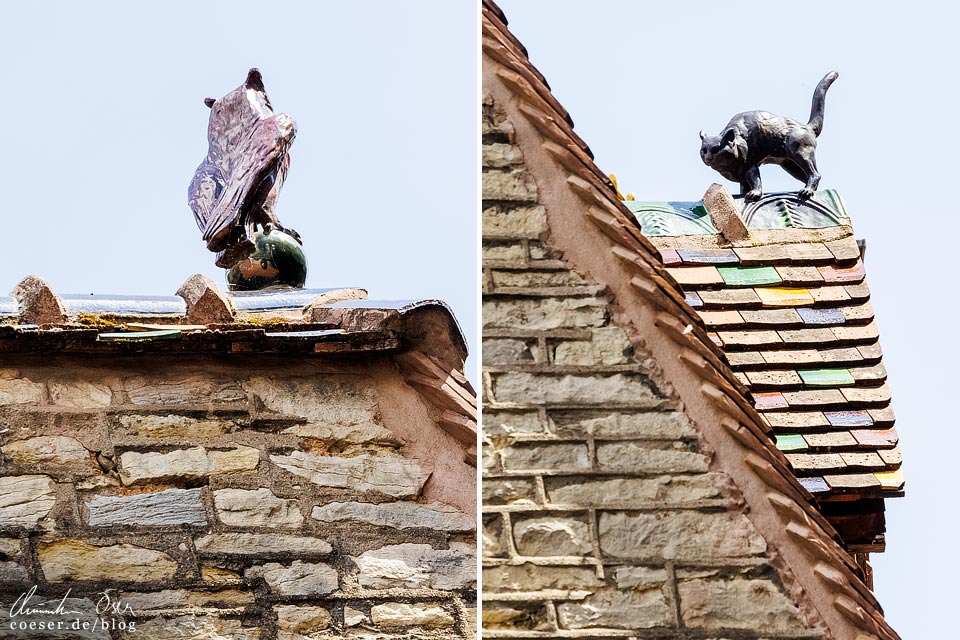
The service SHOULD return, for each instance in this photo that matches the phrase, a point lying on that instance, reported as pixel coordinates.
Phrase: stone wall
(231, 497)
(603, 511)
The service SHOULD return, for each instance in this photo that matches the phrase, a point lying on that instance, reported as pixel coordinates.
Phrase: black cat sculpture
(754, 138)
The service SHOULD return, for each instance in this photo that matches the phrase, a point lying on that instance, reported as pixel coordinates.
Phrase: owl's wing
(259, 167)
(204, 191)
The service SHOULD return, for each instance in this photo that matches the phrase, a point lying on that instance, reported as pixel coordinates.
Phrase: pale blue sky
(104, 125)
(640, 79)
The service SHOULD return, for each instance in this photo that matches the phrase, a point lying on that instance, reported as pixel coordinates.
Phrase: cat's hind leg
(803, 167)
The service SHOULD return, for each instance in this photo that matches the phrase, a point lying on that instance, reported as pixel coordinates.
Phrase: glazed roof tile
(792, 313)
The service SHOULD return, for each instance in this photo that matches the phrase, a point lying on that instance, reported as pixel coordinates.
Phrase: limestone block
(667, 425)
(37, 303)
(507, 491)
(173, 506)
(517, 186)
(79, 394)
(77, 560)
(507, 352)
(400, 515)
(418, 565)
(353, 617)
(396, 477)
(516, 616)
(324, 400)
(633, 577)
(188, 390)
(260, 508)
(500, 251)
(194, 463)
(725, 213)
(635, 457)
(194, 627)
(296, 579)
(537, 278)
(12, 572)
(501, 155)
(302, 619)
(679, 535)
(756, 605)
(531, 388)
(10, 548)
(637, 491)
(206, 304)
(608, 346)
(508, 422)
(249, 544)
(638, 608)
(15, 391)
(174, 599)
(542, 314)
(552, 537)
(398, 614)
(25, 500)
(47, 450)
(492, 537)
(489, 460)
(531, 577)
(554, 457)
(360, 433)
(215, 576)
(173, 426)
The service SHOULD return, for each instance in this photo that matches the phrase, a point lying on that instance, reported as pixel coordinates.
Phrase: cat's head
(725, 150)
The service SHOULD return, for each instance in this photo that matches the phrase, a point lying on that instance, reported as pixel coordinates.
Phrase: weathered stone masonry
(261, 496)
(602, 512)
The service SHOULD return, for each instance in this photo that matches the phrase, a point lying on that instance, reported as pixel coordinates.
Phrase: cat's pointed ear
(209, 102)
(728, 137)
(703, 136)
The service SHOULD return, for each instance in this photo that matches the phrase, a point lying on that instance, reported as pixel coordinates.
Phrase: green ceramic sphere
(278, 261)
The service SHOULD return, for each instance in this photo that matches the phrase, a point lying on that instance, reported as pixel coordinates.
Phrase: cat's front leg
(812, 183)
(750, 185)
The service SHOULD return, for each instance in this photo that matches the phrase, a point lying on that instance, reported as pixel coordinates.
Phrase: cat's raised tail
(819, 99)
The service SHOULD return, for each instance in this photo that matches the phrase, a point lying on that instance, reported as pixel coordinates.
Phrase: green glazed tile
(826, 377)
(749, 276)
(791, 442)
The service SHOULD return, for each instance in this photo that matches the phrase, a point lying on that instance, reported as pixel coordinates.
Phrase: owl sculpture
(234, 190)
